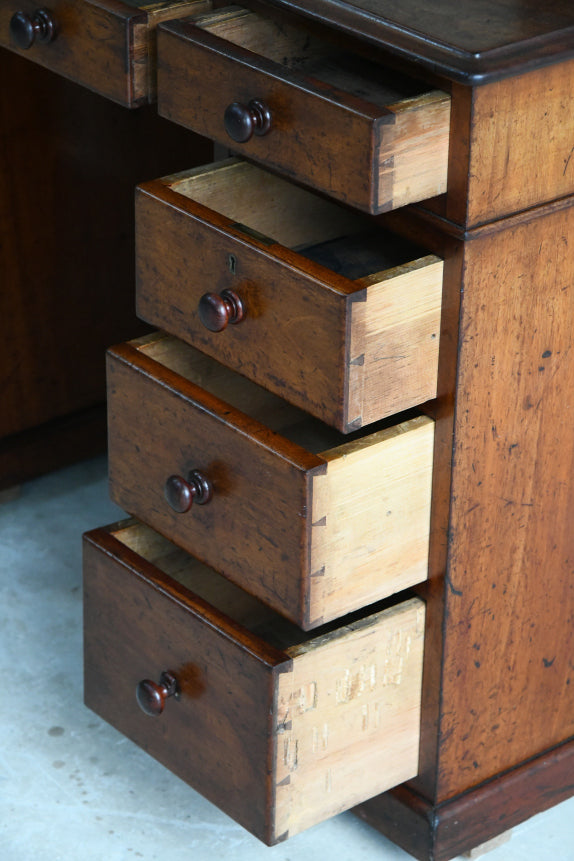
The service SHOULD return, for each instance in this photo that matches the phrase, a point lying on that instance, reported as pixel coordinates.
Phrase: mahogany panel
(52, 445)
(442, 410)
(508, 669)
(514, 273)
(521, 148)
(69, 161)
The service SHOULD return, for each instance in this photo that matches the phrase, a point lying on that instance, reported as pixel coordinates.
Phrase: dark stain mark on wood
(451, 586)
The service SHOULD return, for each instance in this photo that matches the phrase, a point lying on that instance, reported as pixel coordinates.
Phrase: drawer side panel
(349, 718)
(393, 356)
(413, 156)
(371, 520)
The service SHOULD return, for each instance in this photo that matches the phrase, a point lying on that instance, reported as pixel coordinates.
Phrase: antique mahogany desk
(386, 429)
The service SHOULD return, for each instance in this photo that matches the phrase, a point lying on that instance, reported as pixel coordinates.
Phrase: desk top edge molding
(456, 56)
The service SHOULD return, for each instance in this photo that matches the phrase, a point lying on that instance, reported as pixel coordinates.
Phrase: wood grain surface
(521, 147)
(507, 674)
(349, 714)
(468, 820)
(253, 528)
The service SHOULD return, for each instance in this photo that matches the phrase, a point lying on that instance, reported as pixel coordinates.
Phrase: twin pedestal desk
(346, 447)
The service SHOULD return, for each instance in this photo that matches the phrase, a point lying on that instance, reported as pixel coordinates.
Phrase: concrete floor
(71, 787)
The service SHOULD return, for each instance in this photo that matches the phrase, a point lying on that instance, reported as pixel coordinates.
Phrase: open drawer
(106, 45)
(337, 315)
(279, 729)
(365, 135)
(313, 523)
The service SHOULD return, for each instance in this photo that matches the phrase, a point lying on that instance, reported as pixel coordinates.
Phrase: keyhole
(232, 263)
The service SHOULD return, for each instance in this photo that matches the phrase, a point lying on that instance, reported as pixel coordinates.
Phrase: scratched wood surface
(500, 704)
(508, 683)
(521, 148)
(320, 712)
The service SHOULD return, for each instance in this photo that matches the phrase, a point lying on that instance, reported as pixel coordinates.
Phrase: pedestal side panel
(508, 675)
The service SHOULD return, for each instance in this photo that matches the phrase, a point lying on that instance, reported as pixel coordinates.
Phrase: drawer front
(295, 510)
(348, 348)
(375, 144)
(136, 626)
(279, 736)
(105, 45)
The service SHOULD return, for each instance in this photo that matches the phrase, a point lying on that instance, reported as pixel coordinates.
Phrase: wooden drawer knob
(181, 494)
(25, 30)
(216, 310)
(243, 121)
(151, 697)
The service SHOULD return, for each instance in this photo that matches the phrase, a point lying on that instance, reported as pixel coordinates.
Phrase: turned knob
(181, 494)
(26, 29)
(151, 697)
(243, 121)
(217, 310)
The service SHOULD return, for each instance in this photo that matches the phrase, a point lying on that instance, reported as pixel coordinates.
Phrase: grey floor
(71, 787)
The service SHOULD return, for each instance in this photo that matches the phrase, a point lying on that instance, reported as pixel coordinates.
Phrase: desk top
(473, 41)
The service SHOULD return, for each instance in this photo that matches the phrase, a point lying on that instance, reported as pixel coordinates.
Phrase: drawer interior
(263, 406)
(207, 584)
(296, 49)
(236, 604)
(272, 210)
